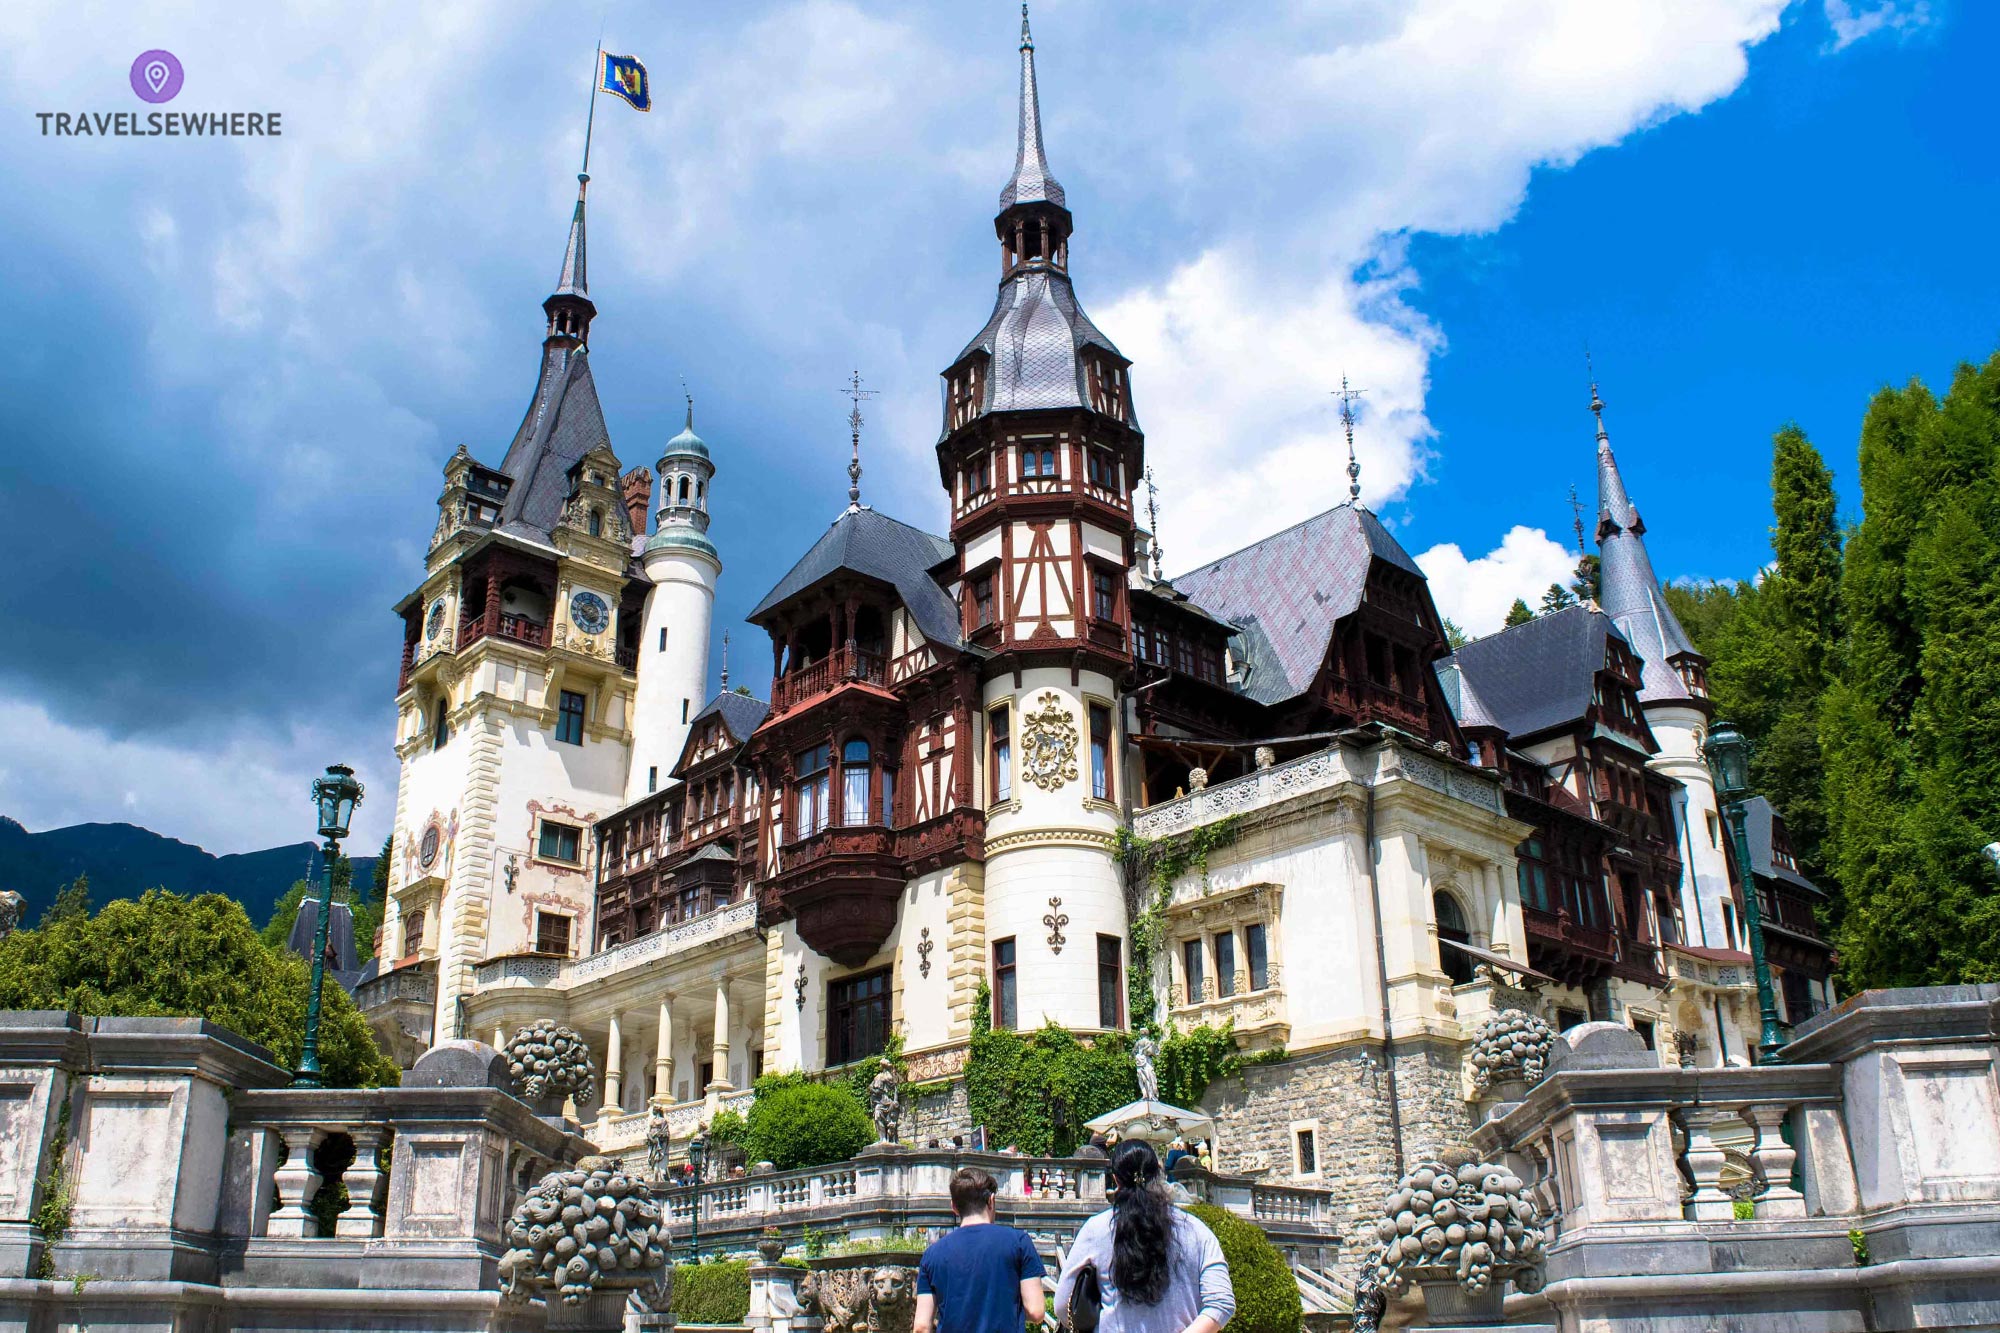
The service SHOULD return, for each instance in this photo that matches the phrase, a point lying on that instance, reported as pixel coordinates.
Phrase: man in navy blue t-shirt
(983, 1277)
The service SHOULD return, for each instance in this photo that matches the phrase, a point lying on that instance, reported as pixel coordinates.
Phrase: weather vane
(855, 394)
(1153, 519)
(1347, 397)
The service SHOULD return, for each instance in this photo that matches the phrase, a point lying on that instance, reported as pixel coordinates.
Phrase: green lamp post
(698, 1159)
(1728, 755)
(335, 797)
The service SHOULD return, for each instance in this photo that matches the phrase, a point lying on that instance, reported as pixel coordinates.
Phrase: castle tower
(1040, 453)
(1673, 692)
(680, 606)
(515, 698)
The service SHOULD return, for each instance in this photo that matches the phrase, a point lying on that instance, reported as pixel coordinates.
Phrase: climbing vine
(52, 1215)
(1151, 867)
(1034, 1091)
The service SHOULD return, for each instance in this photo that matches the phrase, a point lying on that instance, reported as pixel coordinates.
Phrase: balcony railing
(1563, 929)
(564, 973)
(840, 667)
(506, 626)
(1789, 912)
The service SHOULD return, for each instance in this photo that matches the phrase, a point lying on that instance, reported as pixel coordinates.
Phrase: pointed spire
(1032, 182)
(573, 280)
(1347, 397)
(1614, 507)
(855, 393)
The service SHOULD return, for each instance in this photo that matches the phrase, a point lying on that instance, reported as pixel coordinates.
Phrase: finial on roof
(1153, 520)
(686, 393)
(573, 281)
(1347, 397)
(855, 393)
(1596, 403)
(725, 661)
(1032, 182)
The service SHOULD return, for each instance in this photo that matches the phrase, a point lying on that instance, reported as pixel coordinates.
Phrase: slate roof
(343, 962)
(1033, 337)
(564, 422)
(1284, 593)
(741, 713)
(1031, 182)
(1534, 676)
(870, 543)
(1628, 590)
(1759, 818)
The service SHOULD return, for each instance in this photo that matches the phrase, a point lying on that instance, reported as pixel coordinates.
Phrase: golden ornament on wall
(1048, 744)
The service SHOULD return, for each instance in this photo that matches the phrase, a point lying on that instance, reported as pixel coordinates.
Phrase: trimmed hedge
(1267, 1295)
(717, 1292)
(796, 1124)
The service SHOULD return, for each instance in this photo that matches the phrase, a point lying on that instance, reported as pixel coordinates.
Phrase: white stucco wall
(673, 684)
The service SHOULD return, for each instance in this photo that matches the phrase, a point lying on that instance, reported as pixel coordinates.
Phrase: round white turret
(680, 607)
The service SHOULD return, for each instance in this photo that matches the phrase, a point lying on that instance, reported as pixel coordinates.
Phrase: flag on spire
(625, 77)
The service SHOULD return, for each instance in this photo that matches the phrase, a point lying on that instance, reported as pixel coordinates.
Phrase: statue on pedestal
(659, 1142)
(1145, 1051)
(885, 1105)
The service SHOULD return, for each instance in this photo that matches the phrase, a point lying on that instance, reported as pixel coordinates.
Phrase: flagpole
(596, 77)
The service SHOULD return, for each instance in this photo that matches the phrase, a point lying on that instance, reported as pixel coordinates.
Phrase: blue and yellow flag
(626, 77)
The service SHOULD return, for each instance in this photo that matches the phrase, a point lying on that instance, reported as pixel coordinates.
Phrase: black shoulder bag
(1086, 1300)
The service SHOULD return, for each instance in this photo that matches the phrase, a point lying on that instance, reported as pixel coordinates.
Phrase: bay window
(810, 794)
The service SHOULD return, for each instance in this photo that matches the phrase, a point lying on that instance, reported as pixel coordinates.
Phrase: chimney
(637, 488)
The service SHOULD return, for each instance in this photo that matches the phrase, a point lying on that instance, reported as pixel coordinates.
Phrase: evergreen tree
(1518, 614)
(1556, 598)
(72, 903)
(1454, 637)
(1583, 585)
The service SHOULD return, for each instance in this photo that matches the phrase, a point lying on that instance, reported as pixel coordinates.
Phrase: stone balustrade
(551, 972)
(1867, 1192)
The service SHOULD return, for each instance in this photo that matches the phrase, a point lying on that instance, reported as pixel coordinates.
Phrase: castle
(975, 741)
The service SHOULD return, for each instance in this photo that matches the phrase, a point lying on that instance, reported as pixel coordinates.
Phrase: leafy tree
(72, 903)
(1518, 614)
(1454, 637)
(795, 1122)
(1267, 1295)
(166, 955)
(1556, 598)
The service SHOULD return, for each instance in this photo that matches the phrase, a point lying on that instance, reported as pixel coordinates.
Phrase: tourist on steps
(1159, 1269)
(984, 1277)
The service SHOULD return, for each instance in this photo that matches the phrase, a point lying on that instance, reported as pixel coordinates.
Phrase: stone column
(297, 1182)
(613, 1064)
(720, 1082)
(1705, 1160)
(1774, 1159)
(366, 1184)
(663, 1058)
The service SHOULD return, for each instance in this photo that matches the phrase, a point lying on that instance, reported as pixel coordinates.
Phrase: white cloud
(1852, 23)
(1475, 593)
(237, 793)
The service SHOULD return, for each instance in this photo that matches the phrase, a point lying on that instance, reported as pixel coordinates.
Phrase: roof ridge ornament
(725, 660)
(855, 393)
(1347, 397)
(1152, 513)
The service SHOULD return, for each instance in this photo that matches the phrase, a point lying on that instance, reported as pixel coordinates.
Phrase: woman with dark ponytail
(1159, 1269)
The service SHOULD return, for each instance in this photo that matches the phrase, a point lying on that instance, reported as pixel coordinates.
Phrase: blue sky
(239, 365)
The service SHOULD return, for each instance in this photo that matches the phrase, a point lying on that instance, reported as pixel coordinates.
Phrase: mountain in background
(124, 860)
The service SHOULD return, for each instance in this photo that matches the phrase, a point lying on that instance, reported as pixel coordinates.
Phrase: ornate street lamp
(335, 797)
(1728, 755)
(698, 1159)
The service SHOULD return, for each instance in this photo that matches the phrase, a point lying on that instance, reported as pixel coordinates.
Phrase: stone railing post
(1704, 1162)
(298, 1182)
(1774, 1159)
(367, 1184)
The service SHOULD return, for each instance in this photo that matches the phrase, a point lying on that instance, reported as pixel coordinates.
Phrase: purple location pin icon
(157, 76)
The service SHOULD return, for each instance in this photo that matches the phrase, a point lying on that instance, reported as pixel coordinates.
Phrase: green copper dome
(683, 539)
(687, 444)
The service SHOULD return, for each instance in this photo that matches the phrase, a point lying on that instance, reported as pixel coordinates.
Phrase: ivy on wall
(1151, 867)
(1034, 1091)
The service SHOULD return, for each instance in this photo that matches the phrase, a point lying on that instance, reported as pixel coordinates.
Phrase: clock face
(590, 613)
(427, 850)
(435, 621)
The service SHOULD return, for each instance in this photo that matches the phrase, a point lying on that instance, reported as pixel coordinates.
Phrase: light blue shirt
(1197, 1279)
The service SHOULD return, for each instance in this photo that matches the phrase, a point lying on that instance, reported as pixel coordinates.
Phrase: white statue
(659, 1142)
(1144, 1052)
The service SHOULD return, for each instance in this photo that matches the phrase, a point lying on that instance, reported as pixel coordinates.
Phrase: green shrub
(1267, 1295)
(717, 1292)
(796, 1125)
(729, 1127)
(1743, 1210)
(1019, 1086)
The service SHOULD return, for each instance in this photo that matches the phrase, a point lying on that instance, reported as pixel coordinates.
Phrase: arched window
(854, 783)
(684, 489)
(441, 725)
(1451, 926)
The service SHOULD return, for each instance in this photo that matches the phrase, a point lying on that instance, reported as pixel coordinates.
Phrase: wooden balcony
(841, 885)
(518, 628)
(843, 666)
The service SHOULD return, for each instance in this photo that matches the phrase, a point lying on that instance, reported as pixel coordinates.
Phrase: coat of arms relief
(1048, 744)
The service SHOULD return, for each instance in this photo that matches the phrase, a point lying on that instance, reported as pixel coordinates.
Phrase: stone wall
(936, 1113)
(1346, 1094)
